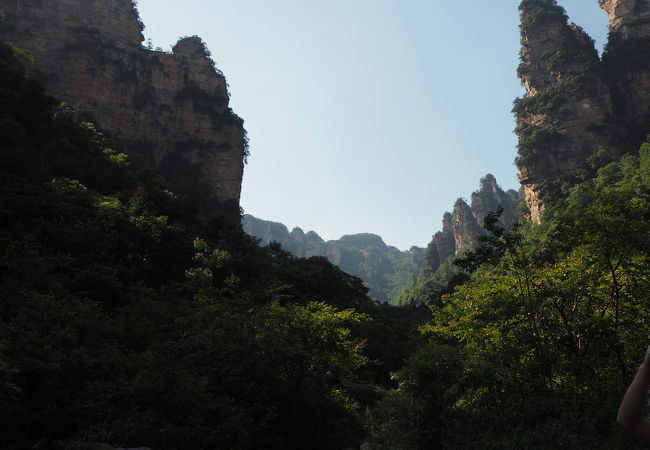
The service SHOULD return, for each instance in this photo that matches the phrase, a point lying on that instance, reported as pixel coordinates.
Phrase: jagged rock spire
(441, 247)
(462, 227)
(490, 197)
(567, 97)
(465, 226)
(552, 49)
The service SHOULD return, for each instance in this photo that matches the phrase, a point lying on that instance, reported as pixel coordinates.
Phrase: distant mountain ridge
(384, 269)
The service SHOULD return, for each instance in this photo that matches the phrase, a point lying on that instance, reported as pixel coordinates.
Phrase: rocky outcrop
(441, 247)
(267, 231)
(298, 243)
(576, 104)
(562, 118)
(491, 197)
(304, 245)
(384, 269)
(461, 230)
(167, 110)
(628, 17)
(464, 225)
(627, 58)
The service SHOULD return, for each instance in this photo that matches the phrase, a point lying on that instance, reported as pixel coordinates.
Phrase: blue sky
(365, 115)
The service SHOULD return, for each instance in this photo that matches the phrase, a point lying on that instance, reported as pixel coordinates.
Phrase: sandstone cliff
(461, 230)
(464, 225)
(441, 248)
(576, 104)
(384, 269)
(166, 110)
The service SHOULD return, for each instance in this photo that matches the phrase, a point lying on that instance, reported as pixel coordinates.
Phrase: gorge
(135, 312)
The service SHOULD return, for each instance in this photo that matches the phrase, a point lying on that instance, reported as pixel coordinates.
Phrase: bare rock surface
(576, 103)
(464, 225)
(167, 110)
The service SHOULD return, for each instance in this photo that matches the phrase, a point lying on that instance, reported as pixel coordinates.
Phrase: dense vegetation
(129, 318)
(535, 350)
(384, 269)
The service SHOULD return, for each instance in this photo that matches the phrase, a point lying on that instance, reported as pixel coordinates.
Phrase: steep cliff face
(167, 110)
(627, 58)
(490, 197)
(384, 269)
(464, 225)
(629, 17)
(561, 120)
(577, 104)
(303, 245)
(441, 247)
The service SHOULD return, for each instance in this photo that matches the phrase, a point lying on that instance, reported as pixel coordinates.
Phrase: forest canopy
(130, 318)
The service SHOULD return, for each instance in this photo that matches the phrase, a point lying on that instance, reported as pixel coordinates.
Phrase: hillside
(542, 326)
(384, 269)
(127, 318)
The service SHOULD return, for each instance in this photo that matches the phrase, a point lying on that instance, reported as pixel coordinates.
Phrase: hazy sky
(365, 115)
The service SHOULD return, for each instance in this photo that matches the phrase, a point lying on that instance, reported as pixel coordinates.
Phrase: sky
(365, 115)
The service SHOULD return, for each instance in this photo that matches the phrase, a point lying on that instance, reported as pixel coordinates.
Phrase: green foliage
(8, 390)
(128, 318)
(555, 99)
(572, 54)
(405, 271)
(542, 340)
(428, 288)
(415, 415)
(541, 12)
(533, 140)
